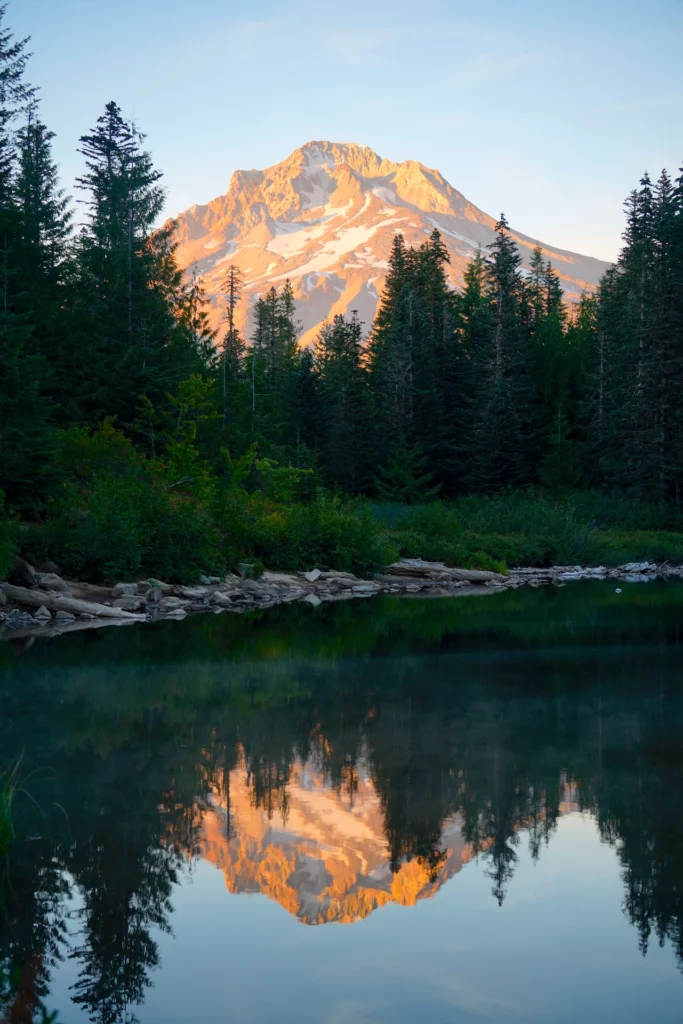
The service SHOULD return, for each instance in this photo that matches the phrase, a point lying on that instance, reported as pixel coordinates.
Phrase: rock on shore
(58, 605)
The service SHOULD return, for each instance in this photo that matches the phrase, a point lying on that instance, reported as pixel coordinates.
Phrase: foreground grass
(9, 786)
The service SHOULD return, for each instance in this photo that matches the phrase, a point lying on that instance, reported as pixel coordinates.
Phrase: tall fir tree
(343, 403)
(129, 284)
(507, 430)
(232, 350)
(44, 259)
(635, 395)
(272, 370)
(26, 438)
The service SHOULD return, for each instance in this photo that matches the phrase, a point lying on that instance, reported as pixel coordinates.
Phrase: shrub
(181, 539)
(618, 547)
(8, 537)
(619, 512)
(119, 514)
(121, 527)
(107, 451)
(327, 534)
(531, 528)
(438, 519)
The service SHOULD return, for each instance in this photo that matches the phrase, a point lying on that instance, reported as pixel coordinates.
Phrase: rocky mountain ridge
(325, 218)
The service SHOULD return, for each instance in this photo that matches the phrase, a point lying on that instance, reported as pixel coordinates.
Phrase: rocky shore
(33, 601)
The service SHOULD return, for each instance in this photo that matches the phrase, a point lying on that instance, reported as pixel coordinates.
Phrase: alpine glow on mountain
(326, 859)
(325, 218)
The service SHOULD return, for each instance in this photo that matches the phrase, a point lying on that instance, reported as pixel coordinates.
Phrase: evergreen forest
(493, 425)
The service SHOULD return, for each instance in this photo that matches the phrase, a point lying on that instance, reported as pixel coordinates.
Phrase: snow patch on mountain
(387, 195)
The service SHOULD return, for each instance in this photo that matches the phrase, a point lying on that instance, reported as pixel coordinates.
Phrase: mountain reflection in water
(324, 856)
(336, 760)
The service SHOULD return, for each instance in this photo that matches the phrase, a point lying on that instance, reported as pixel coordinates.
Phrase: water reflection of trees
(134, 746)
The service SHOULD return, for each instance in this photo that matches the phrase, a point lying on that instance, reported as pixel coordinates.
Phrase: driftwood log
(438, 571)
(55, 602)
(51, 628)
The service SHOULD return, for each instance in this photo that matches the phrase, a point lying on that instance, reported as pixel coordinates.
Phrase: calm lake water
(464, 809)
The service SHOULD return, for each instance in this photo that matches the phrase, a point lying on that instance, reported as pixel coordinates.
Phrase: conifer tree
(435, 377)
(535, 287)
(668, 302)
(343, 401)
(310, 413)
(473, 333)
(16, 95)
(635, 355)
(26, 438)
(559, 469)
(129, 283)
(272, 369)
(194, 318)
(507, 431)
(232, 347)
(390, 354)
(405, 478)
(557, 368)
(43, 255)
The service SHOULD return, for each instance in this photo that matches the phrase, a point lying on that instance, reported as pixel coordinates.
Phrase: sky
(547, 111)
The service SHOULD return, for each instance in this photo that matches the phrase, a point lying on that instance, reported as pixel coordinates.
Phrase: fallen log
(59, 603)
(52, 629)
(415, 567)
(475, 575)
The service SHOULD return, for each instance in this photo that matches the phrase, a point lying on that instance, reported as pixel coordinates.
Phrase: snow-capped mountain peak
(325, 218)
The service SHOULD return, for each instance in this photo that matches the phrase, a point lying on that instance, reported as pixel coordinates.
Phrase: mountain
(325, 218)
(324, 860)
(323, 856)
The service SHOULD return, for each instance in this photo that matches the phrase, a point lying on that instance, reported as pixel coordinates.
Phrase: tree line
(500, 385)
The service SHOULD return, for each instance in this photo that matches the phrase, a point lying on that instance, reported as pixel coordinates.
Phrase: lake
(458, 809)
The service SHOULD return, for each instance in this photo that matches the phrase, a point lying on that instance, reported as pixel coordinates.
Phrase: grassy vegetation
(9, 786)
(119, 515)
(7, 539)
(533, 528)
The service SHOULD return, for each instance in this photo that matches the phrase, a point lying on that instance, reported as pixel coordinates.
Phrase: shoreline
(51, 606)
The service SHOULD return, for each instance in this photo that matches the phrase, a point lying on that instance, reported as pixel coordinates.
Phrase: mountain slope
(325, 218)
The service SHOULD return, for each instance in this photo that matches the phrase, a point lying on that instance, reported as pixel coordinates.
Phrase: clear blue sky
(548, 111)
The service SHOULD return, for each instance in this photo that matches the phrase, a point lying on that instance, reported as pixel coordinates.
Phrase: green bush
(118, 516)
(122, 527)
(528, 526)
(532, 527)
(234, 514)
(326, 534)
(437, 519)
(523, 528)
(83, 456)
(8, 539)
(617, 547)
(618, 512)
